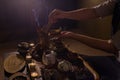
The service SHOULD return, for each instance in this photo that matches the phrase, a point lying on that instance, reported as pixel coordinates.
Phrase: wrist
(66, 15)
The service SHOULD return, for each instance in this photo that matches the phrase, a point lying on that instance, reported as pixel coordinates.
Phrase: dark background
(17, 21)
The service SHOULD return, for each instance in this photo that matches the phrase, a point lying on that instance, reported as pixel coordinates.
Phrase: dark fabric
(116, 17)
(107, 67)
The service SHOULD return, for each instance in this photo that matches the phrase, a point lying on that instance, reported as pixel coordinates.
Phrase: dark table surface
(107, 67)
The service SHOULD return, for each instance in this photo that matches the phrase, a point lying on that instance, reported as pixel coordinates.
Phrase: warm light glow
(32, 44)
(28, 57)
(32, 64)
(34, 74)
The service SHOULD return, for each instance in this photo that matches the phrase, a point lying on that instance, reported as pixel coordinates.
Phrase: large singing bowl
(14, 63)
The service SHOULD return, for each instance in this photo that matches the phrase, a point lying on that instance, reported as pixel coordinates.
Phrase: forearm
(96, 43)
(81, 14)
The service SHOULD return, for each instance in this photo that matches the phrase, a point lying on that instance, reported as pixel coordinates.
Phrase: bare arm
(79, 14)
(101, 10)
(93, 42)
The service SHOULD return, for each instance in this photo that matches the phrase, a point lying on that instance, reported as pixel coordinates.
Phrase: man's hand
(67, 34)
(55, 15)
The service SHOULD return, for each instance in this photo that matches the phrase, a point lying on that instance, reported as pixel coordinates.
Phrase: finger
(52, 13)
(64, 32)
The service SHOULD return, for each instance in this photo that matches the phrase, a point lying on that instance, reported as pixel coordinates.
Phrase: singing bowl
(14, 63)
